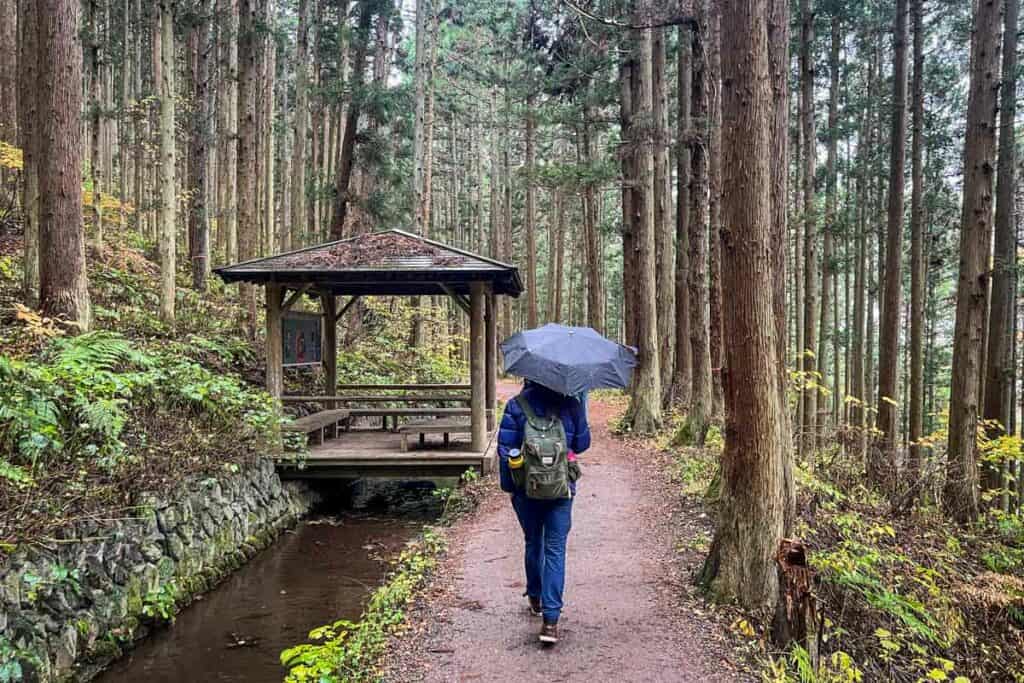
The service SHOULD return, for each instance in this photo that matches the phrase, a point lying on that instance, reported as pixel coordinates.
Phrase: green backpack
(544, 473)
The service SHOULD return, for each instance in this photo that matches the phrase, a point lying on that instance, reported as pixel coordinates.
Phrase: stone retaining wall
(70, 606)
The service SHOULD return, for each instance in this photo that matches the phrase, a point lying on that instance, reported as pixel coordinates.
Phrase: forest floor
(631, 613)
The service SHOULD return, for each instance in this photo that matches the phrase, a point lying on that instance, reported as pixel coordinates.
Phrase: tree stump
(796, 614)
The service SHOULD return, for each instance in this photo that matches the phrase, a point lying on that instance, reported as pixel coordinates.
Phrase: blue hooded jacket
(543, 401)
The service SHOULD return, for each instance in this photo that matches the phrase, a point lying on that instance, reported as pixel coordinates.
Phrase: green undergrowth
(904, 596)
(914, 597)
(350, 652)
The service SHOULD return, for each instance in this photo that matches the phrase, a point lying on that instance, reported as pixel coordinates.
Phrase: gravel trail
(622, 620)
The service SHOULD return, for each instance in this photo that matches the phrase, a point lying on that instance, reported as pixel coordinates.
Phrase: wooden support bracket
(461, 301)
(344, 309)
(290, 301)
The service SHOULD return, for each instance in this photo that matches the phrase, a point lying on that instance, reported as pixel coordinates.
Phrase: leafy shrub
(78, 401)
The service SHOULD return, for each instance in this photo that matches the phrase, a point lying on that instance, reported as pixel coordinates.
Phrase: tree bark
(882, 464)
(999, 375)
(168, 192)
(63, 281)
(740, 565)
(960, 492)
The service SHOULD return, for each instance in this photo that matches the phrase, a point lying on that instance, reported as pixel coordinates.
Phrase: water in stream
(321, 571)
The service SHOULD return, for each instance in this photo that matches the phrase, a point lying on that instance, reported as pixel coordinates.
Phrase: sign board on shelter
(301, 336)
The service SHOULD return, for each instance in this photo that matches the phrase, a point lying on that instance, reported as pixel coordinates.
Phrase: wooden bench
(446, 427)
(319, 426)
(396, 413)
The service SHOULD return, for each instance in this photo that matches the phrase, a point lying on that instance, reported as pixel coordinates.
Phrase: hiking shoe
(534, 606)
(549, 633)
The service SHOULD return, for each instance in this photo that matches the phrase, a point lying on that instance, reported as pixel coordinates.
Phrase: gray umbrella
(569, 360)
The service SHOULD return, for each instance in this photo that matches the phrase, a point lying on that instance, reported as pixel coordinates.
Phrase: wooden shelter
(387, 263)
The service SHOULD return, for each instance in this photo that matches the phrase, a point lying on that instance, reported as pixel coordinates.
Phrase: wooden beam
(290, 301)
(275, 352)
(344, 309)
(477, 367)
(492, 358)
(407, 398)
(329, 343)
(459, 299)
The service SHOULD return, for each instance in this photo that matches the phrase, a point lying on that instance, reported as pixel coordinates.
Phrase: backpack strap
(531, 415)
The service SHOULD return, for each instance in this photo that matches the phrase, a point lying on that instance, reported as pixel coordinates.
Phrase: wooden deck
(375, 453)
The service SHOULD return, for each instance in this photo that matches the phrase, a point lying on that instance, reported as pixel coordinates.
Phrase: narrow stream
(321, 571)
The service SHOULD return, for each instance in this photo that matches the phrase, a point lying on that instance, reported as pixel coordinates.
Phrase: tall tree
(530, 222)
(10, 63)
(168, 167)
(63, 283)
(714, 81)
(228, 110)
(699, 414)
(248, 240)
(807, 349)
(29, 133)
(95, 112)
(999, 371)
(960, 492)
(682, 382)
(297, 228)
(778, 65)
(200, 49)
(663, 223)
(644, 414)
(591, 232)
(917, 272)
(882, 464)
(342, 196)
(827, 329)
(421, 86)
(741, 563)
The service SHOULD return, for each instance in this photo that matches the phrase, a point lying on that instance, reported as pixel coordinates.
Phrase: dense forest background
(583, 141)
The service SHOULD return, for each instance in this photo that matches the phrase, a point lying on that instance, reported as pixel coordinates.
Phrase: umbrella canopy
(569, 360)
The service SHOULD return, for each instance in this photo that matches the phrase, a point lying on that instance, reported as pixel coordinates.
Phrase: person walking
(541, 434)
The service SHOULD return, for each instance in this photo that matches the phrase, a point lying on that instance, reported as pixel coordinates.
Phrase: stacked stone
(70, 604)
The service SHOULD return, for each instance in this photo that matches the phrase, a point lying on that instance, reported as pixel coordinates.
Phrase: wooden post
(329, 345)
(275, 353)
(477, 366)
(492, 360)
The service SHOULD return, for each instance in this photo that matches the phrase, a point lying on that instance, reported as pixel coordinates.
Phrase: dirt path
(621, 622)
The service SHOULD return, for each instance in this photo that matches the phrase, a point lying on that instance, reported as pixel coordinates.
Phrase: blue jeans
(546, 525)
